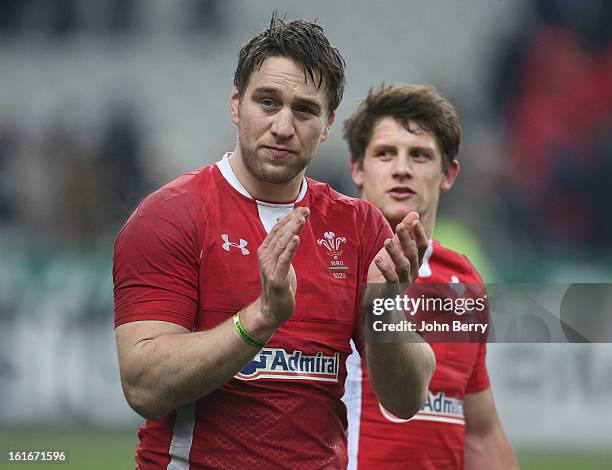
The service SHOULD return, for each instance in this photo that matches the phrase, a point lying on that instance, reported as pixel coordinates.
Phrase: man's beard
(269, 173)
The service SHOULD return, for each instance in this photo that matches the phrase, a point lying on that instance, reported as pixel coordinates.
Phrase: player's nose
(402, 167)
(282, 125)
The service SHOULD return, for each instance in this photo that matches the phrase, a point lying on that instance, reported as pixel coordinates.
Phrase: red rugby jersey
(433, 439)
(188, 255)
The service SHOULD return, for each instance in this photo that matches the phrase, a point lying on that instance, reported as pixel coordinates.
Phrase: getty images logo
(227, 244)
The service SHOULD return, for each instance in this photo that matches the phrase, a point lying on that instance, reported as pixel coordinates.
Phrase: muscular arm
(164, 365)
(486, 443)
(400, 372)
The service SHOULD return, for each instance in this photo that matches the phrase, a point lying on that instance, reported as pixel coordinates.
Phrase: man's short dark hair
(421, 104)
(302, 41)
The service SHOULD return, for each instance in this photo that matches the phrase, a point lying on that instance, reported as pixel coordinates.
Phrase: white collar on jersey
(425, 269)
(226, 170)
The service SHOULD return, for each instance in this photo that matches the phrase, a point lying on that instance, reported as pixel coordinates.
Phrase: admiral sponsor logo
(440, 403)
(279, 364)
(438, 407)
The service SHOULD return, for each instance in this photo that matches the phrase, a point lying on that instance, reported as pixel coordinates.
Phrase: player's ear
(449, 177)
(328, 124)
(235, 104)
(356, 173)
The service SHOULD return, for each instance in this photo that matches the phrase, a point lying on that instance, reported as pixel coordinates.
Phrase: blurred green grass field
(91, 449)
(95, 449)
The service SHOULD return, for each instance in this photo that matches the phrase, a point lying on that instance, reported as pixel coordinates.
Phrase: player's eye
(267, 102)
(303, 110)
(384, 153)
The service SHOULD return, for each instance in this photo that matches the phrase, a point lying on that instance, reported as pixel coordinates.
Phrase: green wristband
(244, 335)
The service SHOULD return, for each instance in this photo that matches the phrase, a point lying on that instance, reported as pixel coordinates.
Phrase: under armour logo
(457, 286)
(227, 244)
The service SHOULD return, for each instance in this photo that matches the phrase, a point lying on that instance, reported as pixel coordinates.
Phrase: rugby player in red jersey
(403, 141)
(232, 341)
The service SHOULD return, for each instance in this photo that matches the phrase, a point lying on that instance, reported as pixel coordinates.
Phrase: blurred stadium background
(103, 101)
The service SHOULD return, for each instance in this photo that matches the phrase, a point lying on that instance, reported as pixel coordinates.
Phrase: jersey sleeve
(479, 380)
(377, 230)
(156, 261)
(374, 232)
